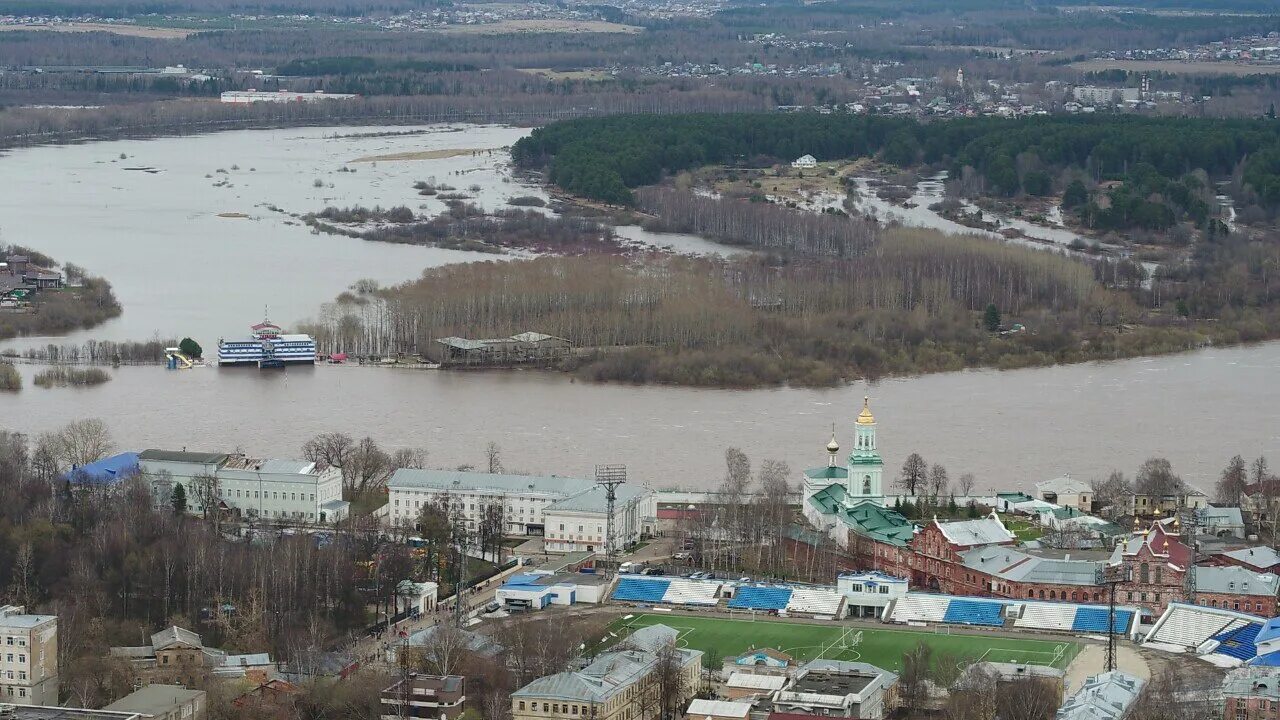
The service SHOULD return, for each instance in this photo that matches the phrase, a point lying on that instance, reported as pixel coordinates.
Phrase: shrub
(10, 379)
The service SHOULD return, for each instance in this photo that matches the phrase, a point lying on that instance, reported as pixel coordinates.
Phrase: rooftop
(983, 531)
(593, 500)
(1236, 581)
(1256, 682)
(35, 712)
(1065, 485)
(155, 699)
(752, 681)
(1258, 557)
(718, 708)
(202, 458)
(1102, 697)
(411, 478)
(105, 471)
(1011, 564)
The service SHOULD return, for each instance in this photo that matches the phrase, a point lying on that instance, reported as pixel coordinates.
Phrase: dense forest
(605, 158)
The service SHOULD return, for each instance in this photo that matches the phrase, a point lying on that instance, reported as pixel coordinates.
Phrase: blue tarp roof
(1268, 660)
(1270, 630)
(106, 471)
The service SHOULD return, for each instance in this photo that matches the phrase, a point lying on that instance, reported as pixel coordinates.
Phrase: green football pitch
(726, 637)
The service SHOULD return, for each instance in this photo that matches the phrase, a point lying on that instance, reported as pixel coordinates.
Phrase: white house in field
(805, 161)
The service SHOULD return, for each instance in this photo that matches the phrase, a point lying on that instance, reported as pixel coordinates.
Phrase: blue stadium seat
(751, 597)
(974, 612)
(1091, 619)
(1238, 643)
(641, 590)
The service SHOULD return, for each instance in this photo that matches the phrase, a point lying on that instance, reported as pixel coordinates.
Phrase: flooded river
(181, 267)
(1010, 428)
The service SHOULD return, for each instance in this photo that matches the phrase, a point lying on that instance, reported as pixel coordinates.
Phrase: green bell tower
(866, 469)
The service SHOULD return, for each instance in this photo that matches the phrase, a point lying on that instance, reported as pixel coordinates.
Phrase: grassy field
(723, 637)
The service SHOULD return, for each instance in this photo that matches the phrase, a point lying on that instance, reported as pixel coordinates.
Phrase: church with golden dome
(861, 476)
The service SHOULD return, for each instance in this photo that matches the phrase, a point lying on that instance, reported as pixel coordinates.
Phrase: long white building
(28, 657)
(286, 490)
(569, 512)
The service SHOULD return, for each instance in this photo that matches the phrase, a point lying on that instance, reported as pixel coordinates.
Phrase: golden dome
(833, 447)
(865, 417)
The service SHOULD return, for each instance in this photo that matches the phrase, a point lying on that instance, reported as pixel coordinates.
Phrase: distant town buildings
(247, 97)
(28, 657)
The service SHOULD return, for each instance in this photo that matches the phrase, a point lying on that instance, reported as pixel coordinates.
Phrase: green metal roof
(867, 518)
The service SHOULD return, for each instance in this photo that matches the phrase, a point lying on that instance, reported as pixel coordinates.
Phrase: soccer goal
(849, 639)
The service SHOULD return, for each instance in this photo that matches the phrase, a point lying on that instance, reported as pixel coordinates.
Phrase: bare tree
(1156, 478)
(1112, 491)
(81, 442)
(493, 455)
(966, 483)
(367, 468)
(938, 482)
(915, 472)
(332, 449)
(1232, 482)
(446, 651)
(913, 683)
(1029, 698)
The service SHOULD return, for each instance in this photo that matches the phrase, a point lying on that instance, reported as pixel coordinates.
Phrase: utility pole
(1187, 521)
(459, 529)
(610, 477)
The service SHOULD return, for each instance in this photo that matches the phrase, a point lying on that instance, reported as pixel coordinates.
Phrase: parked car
(493, 606)
(683, 556)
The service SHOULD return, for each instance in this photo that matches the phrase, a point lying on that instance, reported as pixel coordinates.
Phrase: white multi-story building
(286, 490)
(532, 505)
(28, 657)
(579, 522)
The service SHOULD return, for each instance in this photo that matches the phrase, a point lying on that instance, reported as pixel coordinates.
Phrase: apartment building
(617, 685)
(285, 490)
(580, 522)
(523, 497)
(28, 657)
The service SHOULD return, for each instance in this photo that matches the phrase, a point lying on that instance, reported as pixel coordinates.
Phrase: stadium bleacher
(815, 601)
(1092, 619)
(1188, 627)
(690, 592)
(1238, 643)
(974, 612)
(641, 589)
(761, 597)
(1048, 616)
(919, 608)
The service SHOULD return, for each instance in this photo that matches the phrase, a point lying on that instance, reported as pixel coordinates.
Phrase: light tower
(610, 477)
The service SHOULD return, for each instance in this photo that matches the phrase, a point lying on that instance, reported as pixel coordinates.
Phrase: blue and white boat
(268, 347)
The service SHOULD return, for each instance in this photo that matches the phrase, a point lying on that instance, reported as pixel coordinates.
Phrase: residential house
(177, 656)
(1066, 492)
(163, 702)
(28, 657)
(1251, 693)
(804, 162)
(1261, 559)
(1145, 506)
(617, 685)
(838, 688)
(1109, 696)
(434, 697)
(273, 700)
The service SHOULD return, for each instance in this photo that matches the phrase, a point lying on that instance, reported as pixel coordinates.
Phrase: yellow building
(625, 683)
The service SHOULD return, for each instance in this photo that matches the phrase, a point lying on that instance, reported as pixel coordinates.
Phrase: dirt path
(1092, 659)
